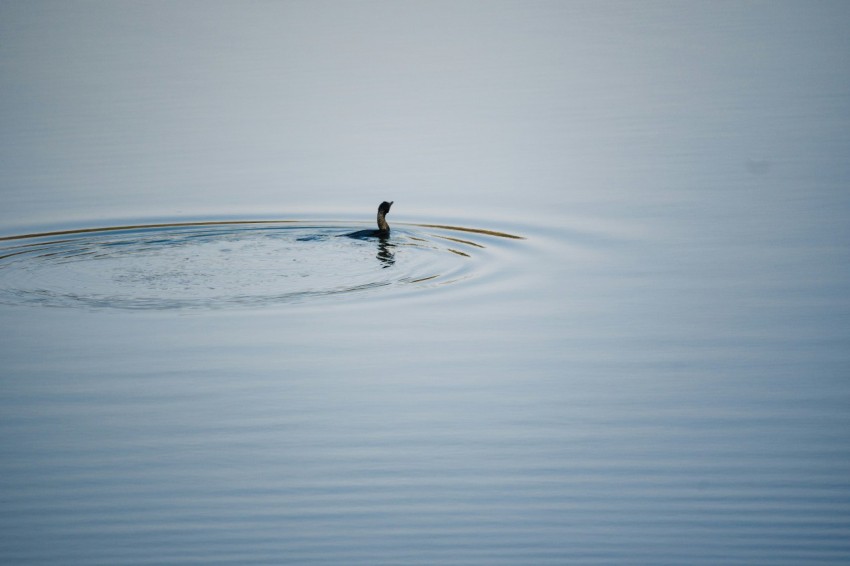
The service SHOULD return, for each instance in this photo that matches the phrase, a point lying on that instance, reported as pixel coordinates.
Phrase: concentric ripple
(214, 265)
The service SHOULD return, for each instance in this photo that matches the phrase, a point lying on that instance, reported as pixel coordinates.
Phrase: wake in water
(215, 265)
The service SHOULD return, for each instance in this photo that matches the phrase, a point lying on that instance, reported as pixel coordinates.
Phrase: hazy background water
(658, 374)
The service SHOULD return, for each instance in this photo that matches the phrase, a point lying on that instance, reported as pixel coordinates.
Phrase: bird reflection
(385, 254)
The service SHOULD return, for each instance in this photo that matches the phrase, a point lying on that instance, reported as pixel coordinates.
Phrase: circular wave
(214, 265)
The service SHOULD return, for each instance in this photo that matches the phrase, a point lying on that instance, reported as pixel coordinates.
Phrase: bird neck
(382, 223)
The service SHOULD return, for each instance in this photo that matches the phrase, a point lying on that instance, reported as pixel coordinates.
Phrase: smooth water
(611, 324)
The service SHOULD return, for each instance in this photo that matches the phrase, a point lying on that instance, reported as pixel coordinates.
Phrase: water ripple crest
(224, 264)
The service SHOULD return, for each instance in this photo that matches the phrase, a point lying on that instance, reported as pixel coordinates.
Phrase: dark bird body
(383, 230)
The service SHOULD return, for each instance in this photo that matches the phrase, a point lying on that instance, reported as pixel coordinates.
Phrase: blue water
(196, 366)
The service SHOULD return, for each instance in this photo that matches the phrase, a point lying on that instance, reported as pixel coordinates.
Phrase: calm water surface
(196, 366)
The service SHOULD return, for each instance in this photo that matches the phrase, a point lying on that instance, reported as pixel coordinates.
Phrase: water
(208, 265)
(198, 367)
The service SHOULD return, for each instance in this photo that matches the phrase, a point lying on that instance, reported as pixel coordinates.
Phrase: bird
(383, 230)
